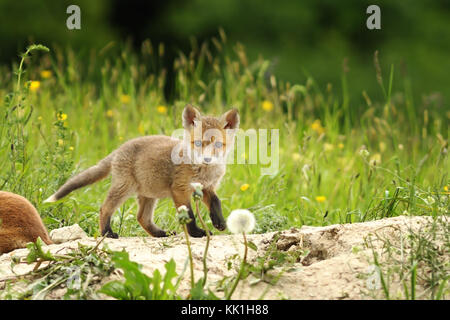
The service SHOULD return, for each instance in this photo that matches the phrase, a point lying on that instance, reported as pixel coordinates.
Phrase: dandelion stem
(205, 268)
(241, 270)
(191, 263)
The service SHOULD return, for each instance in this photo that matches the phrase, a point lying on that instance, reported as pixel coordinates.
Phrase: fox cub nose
(207, 159)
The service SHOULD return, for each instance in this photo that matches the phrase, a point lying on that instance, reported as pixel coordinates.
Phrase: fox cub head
(209, 139)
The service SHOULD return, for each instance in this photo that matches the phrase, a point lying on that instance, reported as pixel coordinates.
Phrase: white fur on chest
(209, 175)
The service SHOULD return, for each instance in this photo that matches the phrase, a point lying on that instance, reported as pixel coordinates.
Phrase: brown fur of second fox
(20, 223)
(143, 166)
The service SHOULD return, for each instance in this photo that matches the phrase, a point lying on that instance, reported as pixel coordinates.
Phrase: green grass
(112, 95)
(415, 265)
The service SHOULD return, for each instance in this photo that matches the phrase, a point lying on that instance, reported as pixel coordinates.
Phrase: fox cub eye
(198, 143)
(218, 144)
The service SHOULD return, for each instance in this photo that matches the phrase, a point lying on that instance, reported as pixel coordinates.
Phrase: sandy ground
(334, 268)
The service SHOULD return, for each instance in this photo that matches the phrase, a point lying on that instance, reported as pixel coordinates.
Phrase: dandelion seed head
(197, 186)
(183, 216)
(241, 221)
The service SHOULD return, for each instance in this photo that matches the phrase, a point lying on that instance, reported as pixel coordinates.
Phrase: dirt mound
(331, 265)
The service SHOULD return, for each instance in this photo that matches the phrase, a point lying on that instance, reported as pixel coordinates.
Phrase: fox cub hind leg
(145, 217)
(117, 194)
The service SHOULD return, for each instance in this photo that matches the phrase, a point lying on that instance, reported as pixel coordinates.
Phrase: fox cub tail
(88, 176)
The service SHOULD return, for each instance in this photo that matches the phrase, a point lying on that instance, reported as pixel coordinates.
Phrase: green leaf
(197, 292)
(137, 285)
(36, 252)
(115, 289)
(169, 276)
(252, 246)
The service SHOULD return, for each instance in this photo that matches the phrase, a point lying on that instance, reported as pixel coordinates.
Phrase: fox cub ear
(230, 119)
(190, 114)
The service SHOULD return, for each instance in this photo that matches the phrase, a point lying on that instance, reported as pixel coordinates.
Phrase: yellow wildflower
(62, 116)
(328, 147)
(125, 99)
(45, 74)
(341, 146)
(141, 129)
(317, 126)
(35, 85)
(71, 148)
(321, 199)
(39, 118)
(161, 109)
(375, 159)
(446, 188)
(245, 186)
(120, 138)
(109, 113)
(267, 105)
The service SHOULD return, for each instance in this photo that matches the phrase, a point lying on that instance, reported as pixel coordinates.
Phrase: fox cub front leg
(183, 198)
(212, 201)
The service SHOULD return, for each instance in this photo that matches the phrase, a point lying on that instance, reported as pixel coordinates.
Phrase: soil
(333, 261)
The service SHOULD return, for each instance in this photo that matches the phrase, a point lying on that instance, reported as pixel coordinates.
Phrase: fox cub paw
(112, 235)
(162, 233)
(198, 233)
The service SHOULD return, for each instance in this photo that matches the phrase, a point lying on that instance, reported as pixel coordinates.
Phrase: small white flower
(364, 153)
(430, 200)
(197, 186)
(240, 221)
(182, 208)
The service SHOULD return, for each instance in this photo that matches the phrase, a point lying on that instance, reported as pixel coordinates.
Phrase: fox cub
(156, 167)
(20, 223)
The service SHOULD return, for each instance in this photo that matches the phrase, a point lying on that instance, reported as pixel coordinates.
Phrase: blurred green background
(300, 38)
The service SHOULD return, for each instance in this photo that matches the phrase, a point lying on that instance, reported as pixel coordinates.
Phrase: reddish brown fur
(20, 223)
